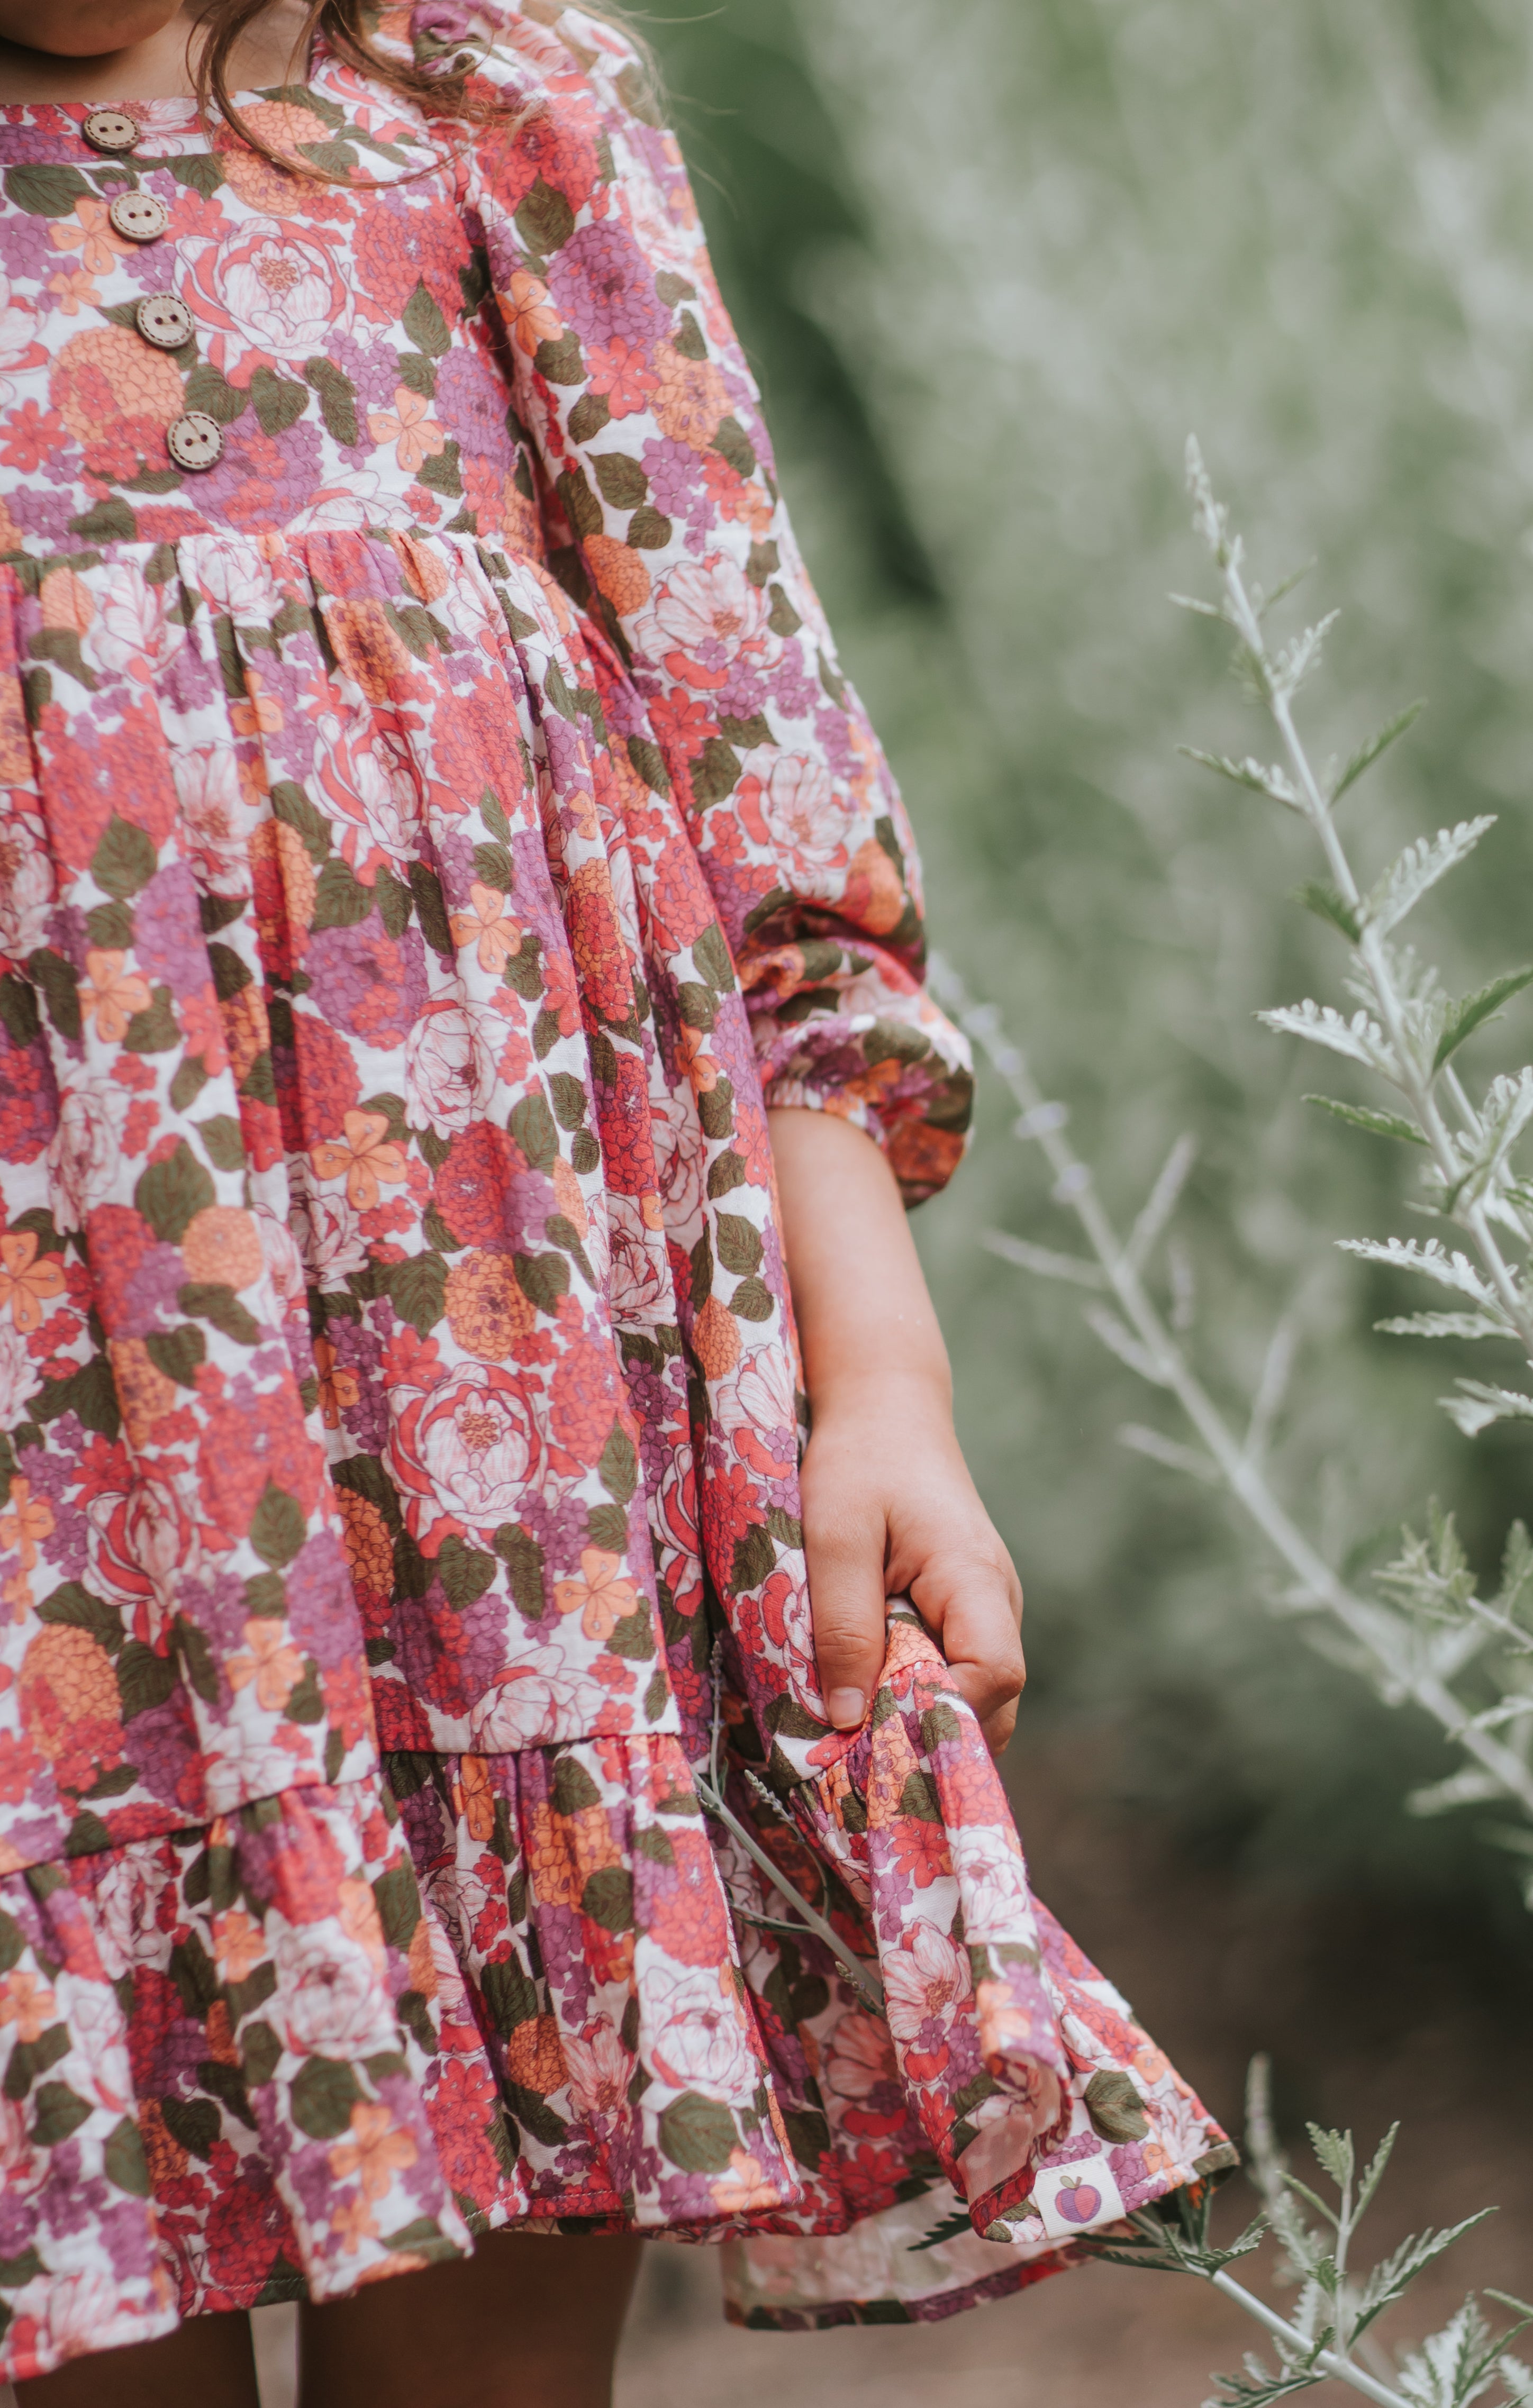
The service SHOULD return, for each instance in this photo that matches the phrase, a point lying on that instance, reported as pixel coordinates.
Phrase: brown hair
(444, 88)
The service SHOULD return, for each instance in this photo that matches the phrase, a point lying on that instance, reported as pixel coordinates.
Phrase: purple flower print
(321, 1608)
(168, 936)
(367, 982)
(605, 286)
(471, 401)
(161, 1744)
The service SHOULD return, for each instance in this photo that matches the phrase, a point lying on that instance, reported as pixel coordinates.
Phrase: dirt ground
(1369, 2018)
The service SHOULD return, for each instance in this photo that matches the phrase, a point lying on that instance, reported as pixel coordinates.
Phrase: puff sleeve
(666, 523)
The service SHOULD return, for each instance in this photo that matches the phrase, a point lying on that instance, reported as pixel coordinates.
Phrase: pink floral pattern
(429, 838)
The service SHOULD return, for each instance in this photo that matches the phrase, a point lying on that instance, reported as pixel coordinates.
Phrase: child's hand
(889, 1510)
(889, 1507)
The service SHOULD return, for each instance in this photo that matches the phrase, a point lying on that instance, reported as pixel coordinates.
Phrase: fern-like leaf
(1370, 751)
(1464, 1018)
(1326, 903)
(1377, 1124)
(1361, 1038)
(1417, 869)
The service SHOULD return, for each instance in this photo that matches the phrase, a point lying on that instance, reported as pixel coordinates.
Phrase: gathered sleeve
(665, 521)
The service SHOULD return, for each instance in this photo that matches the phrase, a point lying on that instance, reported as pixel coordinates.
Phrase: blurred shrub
(993, 264)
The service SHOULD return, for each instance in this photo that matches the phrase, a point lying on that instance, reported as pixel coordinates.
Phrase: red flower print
(29, 438)
(583, 1399)
(921, 1850)
(628, 1140)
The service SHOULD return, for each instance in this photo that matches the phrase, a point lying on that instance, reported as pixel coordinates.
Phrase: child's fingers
(974, 1606)
(844, 1549)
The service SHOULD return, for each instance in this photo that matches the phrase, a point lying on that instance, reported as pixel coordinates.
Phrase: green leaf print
(697, 2134)
(125, 860)
(276, 1526)
(425, 325)
(46, 192)
(57, 2112)
(545, 220)
(169, 1193)
(323, 2095)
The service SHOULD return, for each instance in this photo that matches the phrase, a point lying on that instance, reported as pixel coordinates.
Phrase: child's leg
(525, 2323)
(208, 2359)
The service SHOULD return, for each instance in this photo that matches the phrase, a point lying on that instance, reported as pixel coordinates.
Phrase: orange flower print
(364, 1157)
(355, 2221)
(410, 428)
(239, 1944)
(93, 234)
(339, 1388)
(26, 1284)
(488, 927)
(28, 2004)
(66, 601)
(257, 712)
(360, 1920)
(601, 1597)
(533, 317)
(274, 1664)
(73, 289)
(743, 2187)
(29, 1520)
(376, 2152)
(112, 996)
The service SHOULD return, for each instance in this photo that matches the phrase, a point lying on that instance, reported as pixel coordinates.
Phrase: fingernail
(847, 1708)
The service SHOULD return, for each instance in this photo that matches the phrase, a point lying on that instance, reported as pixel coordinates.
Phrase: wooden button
(111, 129)
(196, 440)
(164, 322)
(140, 216)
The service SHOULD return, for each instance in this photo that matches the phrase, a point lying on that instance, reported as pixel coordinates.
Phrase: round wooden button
(140, 216)
(164, 322)
(111, 129)
(196, 440)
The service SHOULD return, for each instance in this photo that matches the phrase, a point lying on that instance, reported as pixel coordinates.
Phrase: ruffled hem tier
(331, 2036)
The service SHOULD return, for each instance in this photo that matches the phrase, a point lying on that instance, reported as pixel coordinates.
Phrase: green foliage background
(993, 264)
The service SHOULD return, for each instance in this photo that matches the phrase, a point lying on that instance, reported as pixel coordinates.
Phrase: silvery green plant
(1330, 2335)
(1427, 1635)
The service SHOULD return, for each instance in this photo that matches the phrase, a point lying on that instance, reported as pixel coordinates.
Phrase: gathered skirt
(402, 1423)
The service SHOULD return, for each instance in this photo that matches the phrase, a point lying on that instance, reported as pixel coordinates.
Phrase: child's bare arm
(889, 1507)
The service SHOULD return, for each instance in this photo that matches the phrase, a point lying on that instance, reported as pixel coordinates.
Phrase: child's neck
(155, 69)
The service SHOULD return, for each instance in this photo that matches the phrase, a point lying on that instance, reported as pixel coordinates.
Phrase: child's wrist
(879, 1390)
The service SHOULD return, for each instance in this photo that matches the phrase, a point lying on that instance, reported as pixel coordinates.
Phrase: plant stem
(1376, 1628)
(1375, 958)
(1326, 2360)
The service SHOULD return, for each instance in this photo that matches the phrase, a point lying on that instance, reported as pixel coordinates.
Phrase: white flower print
(218, 818)
(26, 886)
(600, 2068)
(19, 1378)
(450, 1066)
(705, 615)
(133, 634)
(926, 1979)
(84, 1150)
(328, 1233)
(530, 1701)
(694, 2035)
(801, 808)
(329, 2000)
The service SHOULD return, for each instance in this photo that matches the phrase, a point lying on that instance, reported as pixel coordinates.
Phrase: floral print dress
(433, 821)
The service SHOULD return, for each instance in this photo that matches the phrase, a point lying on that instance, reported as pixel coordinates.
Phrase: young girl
(468, 1771)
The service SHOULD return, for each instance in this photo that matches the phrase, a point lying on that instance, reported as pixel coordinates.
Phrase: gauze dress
(434, 822)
